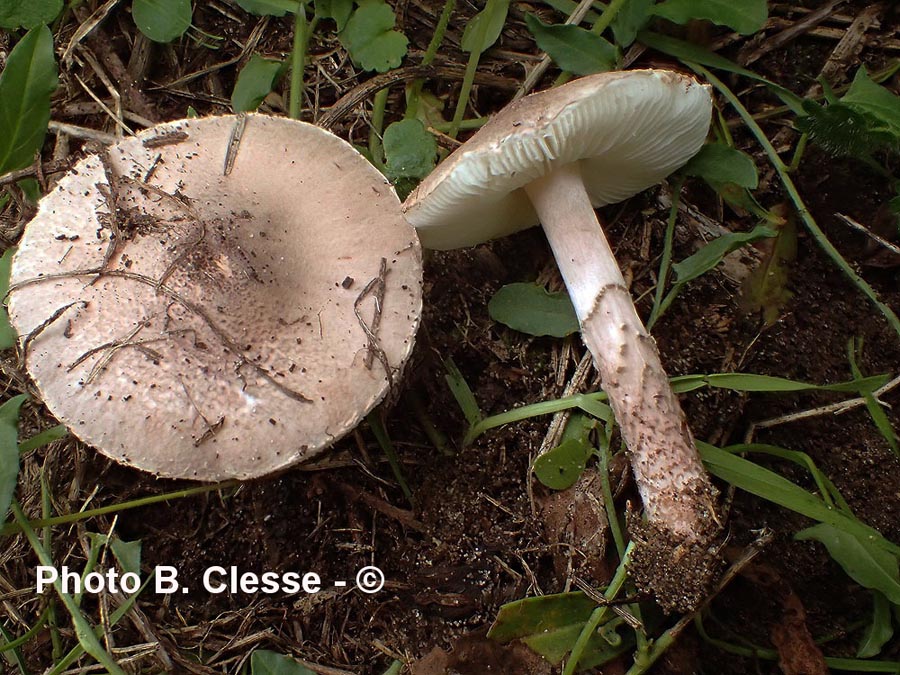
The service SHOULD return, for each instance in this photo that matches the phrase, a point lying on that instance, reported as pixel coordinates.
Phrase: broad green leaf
(529, 308)
(691, 53)
(269, 7)
(370, 37)
(264, 662)
(762, 482)
(711, 255)
(864, 562)
(9, 450)
(744, 16)
(7, 334)
(880, 631)
(128, 553)
(766, 289)
(868, 97)
(550, 625)
(632, 17)
(568, 7)
(560, 467)
(254, 83)
(409, 149)
(604, 646)
(28, 13)
(162, 20)
(25, 88)
(485, 27)
(572, 48)
(717, 163)
(339, 10)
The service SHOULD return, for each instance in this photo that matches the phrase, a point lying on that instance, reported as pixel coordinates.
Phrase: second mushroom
(552, 158)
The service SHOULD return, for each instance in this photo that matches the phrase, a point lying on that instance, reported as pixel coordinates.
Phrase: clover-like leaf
(560, 467)
(162, 20)
(409, 149)
(370, 37)
(339, 10)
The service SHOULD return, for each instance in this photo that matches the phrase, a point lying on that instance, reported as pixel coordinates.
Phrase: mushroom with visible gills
(552, 157)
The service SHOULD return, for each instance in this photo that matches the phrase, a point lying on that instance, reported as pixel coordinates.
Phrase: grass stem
(782, 170)
(376, 146)
(16, 527)
(298, 60)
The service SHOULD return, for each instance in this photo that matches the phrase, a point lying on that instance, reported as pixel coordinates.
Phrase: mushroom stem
(677, 494)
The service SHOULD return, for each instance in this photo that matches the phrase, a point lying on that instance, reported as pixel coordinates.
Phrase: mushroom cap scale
(223, 338)
(627, 129)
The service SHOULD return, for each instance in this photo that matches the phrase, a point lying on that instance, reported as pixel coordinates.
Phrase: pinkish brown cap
(627, 129)
(253, 353)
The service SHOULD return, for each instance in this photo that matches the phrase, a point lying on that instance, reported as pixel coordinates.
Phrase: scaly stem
(677, 494)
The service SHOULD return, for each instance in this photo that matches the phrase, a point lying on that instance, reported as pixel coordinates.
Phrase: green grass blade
(791, 189)
(769, 485)
(83, 629)
(114, 618)
(462, 393)
(689, 52)
(43, 438)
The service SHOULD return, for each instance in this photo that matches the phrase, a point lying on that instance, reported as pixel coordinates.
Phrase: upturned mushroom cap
(628, 129)
(229, 333)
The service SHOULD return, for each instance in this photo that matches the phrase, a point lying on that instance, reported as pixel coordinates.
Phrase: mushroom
(217, 298)
(553, 157)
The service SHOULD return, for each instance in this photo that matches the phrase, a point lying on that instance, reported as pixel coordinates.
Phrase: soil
(472, 539)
